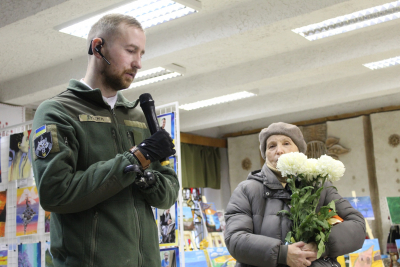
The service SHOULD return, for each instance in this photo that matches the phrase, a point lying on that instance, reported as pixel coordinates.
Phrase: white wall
(240, 148)
(351, 136)
(387, 169)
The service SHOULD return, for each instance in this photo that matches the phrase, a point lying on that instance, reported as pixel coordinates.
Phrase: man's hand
(311, 247)
(296, 257)
(156, 147)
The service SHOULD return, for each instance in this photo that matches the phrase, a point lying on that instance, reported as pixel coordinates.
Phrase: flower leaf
(321, 249)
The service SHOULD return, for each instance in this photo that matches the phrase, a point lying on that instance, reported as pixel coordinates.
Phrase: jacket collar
(267, 177)
(270, 179)
(96, 96)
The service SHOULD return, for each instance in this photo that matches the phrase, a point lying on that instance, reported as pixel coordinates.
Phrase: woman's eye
(130, 51)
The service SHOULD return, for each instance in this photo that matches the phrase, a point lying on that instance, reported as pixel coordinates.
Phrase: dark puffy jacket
(255, 233)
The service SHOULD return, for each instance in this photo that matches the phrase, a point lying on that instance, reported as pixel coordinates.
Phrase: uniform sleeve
(245, 246)
(61, 186)
(349, 235)
(164, 192)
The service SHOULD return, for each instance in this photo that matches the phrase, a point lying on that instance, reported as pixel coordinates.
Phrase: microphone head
(146, 99)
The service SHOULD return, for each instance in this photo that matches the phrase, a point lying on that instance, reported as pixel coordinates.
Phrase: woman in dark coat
(255, 233)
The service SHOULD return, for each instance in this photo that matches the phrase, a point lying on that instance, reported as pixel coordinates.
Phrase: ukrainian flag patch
(41, 130)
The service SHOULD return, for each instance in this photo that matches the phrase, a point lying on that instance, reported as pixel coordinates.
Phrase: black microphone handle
(149, 111)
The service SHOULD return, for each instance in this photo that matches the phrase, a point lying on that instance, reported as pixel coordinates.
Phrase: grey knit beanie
(281, 128)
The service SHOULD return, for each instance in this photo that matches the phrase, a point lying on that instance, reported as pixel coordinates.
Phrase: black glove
(158, 146)
(144, 179)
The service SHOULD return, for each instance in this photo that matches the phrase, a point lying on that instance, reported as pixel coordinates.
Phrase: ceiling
(229, 46)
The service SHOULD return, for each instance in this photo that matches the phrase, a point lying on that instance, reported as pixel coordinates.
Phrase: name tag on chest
(85, 117)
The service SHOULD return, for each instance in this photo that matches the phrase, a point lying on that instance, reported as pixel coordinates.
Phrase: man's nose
(137, 63)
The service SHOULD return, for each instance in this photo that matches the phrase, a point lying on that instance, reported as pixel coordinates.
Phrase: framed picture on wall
(168, 226)
(167, 122)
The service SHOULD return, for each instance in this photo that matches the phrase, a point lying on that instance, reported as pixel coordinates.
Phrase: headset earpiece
(97, 49)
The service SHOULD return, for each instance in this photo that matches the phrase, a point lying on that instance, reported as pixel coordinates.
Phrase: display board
(170, 225)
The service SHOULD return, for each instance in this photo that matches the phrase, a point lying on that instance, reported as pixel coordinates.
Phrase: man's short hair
(107, 26)
(166, 254)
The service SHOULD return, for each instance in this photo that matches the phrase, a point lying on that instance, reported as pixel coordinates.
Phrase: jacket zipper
(115, 141)
(116, 125)
(131, 139)
(138, 224)
(93, 243)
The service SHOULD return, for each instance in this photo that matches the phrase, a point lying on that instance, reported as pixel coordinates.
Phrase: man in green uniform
(83, 140)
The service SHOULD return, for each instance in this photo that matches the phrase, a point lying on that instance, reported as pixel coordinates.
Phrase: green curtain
(201, 166)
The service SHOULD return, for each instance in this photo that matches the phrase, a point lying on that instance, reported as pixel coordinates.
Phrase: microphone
(147, 105)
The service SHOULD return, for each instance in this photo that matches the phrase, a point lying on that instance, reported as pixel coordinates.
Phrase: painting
(3, 212)
(394, 209)
(195, 258)
(220, 257)
(167, 122)
(363, 205)
(398, 245)
(221, 218)
(27, 210)
(169, 257)
(172, 162)
(29, 255)
(19, 163)
(3, 255)
(167, 226)
(47, 221)
(188, 222)
(211, 217)
(368, 256)
(48, 258)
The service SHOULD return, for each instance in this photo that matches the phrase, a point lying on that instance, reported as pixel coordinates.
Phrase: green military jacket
(99, 216)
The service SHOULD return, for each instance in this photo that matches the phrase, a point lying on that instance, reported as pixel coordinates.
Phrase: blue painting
(29, 255)
(363, 205)
(398, 245)
(195, 258)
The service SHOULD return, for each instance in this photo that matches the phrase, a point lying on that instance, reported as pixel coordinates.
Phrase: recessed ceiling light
(383, 63)
(350, 22)
(157, 75)
(148, 12)
(217, 100)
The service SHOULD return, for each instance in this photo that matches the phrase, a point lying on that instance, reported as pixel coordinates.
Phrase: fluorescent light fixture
(157, 75)
(148, 12)
(383, 63)
(217, 100)
(350, 22)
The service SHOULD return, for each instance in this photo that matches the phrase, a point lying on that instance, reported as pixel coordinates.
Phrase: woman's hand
(297, 257)
(311, 247)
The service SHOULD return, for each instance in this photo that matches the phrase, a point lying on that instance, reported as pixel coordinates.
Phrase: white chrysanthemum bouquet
(306, 178)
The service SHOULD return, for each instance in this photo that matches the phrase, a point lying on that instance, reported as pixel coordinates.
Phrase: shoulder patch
(137, 124)
(86, 117)
(43, 144)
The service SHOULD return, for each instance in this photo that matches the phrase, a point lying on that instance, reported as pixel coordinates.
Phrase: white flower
(331, 168)
(291, 163)
(310, 170)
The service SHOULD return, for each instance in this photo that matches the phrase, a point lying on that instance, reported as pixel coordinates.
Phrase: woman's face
(278, 145)
(24, 145)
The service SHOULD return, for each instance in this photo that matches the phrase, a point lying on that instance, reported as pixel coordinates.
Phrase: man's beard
(116, 81)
